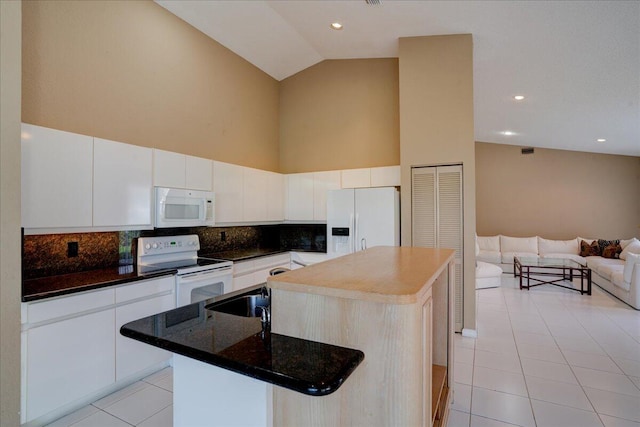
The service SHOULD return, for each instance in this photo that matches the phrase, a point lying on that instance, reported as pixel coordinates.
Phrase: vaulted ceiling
(577, 63)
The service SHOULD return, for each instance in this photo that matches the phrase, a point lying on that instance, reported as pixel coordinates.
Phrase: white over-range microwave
(177, 207)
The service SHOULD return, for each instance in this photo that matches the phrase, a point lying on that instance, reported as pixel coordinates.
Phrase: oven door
(195, 287)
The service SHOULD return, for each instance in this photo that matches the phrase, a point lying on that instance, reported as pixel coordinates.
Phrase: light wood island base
(393, 303)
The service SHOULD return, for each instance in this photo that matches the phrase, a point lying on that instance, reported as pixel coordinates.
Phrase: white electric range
(197, 278)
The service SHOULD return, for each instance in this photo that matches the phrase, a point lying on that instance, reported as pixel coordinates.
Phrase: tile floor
(548, 357)
(146, 403)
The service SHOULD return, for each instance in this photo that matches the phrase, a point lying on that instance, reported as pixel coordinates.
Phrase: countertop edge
(92, 286)
(271, 377)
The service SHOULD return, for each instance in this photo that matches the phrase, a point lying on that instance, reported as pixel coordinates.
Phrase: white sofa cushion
(629, 263)
(602, 265)
(527, 245)
(617, 278)
(624, 243)
(632, 247)
(484, 269)
(546, 246)
(489, 243)
(489, 256)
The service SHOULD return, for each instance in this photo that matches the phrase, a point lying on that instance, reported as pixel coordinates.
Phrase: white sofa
(620, 277)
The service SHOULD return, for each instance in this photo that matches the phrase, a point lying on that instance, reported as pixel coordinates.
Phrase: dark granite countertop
(244, 254)
(239, 344)
(64, 284)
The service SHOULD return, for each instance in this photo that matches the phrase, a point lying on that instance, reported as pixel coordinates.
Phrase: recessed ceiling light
(508, 133)
(601, 140)
(518, 97)
(336, 25)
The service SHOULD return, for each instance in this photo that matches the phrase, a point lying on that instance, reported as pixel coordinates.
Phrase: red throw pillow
(612, 251)
(589, 249)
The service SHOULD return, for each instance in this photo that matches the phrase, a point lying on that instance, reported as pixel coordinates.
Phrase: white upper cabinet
(122, 183)
(356, 178)
(385, 176)
(299, 197)
(255, 188)
(177, 170)
(229, 191)
(323, 182)
(168, 169)
(199, 173)
(56, 178)
(275, 194)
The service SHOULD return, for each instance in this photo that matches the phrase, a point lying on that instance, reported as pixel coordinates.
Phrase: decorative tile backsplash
(47, 255)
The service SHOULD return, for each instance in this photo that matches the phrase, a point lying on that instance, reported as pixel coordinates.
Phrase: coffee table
(558, 269)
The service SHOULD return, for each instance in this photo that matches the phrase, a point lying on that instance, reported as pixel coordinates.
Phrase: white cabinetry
(356, 178)
(299, 197)
(177, 170)
(70, 353)
(144, 299)
(57, 173)
(255, 271)
(199, 173)
(275, 196)
(121, 184)
(255, 189)
(323, 182)
(307, 195)
(72, 350)
(228, 188)
(385, 176)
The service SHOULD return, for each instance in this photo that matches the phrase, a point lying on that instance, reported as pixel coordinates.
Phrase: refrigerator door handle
(355, 235)
(352, 239)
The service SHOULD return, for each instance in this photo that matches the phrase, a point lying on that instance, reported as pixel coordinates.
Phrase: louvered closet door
(436, 218)
(423, 207)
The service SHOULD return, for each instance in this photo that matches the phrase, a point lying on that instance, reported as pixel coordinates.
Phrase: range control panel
(168, 244)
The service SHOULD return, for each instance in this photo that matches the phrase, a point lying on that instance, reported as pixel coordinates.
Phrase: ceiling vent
(373, 2)
(528, 150)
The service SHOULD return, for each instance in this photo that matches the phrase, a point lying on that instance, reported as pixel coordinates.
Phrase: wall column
(436, 127)
(10, 87)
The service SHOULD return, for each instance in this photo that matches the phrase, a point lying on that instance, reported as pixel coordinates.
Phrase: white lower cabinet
(72, 349)
(255, 271)
(67, 360)
(133, 356)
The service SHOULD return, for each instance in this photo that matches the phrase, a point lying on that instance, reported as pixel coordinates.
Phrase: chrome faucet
(265, 318)
(264, 292)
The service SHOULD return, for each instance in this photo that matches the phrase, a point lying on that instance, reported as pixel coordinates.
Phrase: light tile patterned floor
(146, 403)
(548, 357)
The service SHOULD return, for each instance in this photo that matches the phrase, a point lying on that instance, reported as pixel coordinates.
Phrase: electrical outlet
(72, 249)
(223, 236)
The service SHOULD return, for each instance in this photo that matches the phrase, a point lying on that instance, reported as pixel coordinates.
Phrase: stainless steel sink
(246, 306)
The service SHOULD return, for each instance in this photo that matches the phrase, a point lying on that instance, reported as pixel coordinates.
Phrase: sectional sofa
(620, 276)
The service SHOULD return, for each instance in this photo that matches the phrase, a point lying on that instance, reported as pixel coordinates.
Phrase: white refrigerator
(362, 218)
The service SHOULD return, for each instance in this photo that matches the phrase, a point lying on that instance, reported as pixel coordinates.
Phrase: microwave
(177, 207)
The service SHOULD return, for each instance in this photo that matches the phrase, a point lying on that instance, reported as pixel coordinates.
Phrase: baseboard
(470, 333)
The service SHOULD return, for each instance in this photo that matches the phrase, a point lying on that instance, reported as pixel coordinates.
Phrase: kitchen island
(393, 303)
(385, 311)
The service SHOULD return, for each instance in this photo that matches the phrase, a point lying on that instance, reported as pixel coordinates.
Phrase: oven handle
(200, 275)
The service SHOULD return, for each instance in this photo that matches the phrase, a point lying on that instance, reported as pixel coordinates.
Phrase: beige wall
(10, 52)
(436, 127)
(133, 72)
(340, 114)
(556, 194)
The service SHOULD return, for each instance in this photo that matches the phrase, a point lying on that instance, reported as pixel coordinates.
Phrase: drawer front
(69, 305)
(272, 261)
(243, 267)
(145, 288)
